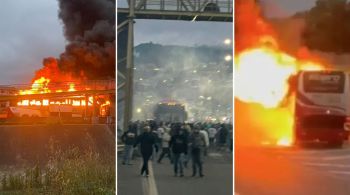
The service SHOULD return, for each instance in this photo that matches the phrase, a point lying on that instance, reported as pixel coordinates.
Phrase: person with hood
(147, 141)
(178, 144)
(129, 138)
(197, 143)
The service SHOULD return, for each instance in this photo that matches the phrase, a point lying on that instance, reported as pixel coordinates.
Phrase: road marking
(318, 158)
(336, 157)
(215, 154)
(152, 182)
(148, 183)
(309, 152)
(340, 172)
(327, 165)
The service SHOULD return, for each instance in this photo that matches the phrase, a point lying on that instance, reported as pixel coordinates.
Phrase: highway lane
(218, 179)
(315, 170)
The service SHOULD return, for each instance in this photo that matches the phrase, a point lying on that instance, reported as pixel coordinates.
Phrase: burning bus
(68, 101)
(170, 111)
(322, 104)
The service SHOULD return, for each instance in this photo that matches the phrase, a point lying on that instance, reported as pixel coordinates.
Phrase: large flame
(50, 79)
(262, 77)
(262, 87)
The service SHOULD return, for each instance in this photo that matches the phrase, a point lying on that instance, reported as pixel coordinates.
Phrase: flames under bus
(322, 104)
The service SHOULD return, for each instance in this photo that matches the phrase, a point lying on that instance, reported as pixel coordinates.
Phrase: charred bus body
(170, 111)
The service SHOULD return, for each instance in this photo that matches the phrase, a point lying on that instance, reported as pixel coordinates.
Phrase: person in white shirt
(206, 139)
(165, 136)
(211, 133)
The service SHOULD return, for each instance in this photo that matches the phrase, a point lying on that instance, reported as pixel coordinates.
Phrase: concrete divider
(35, 143)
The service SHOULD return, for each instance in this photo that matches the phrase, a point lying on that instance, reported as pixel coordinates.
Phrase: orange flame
(262, 73)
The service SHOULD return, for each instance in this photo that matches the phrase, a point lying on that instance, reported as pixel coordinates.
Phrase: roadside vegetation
(67, 172)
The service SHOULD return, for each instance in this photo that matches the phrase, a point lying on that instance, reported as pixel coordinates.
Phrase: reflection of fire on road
(264, 104)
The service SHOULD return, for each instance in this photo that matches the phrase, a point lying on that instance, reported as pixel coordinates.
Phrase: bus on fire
(322, 106)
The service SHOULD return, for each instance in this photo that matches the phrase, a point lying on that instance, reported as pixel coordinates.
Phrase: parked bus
(322, 102)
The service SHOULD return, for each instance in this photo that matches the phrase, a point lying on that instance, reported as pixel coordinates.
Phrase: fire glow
(262, 73)
(41, 86)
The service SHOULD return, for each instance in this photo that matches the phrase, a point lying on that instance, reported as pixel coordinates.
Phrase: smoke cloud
(89, 27)
(199, 77)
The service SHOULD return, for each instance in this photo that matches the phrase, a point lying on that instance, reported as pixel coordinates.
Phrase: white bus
(322, 104)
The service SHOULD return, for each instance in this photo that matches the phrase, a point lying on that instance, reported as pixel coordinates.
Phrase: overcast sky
(283, 8)
(30, 31)
(180, 32)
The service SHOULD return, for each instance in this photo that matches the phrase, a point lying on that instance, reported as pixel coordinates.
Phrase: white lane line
(145, 188)
(336, 157)
(152, 182)
(149, 186)
(144, 183)
(340, 172)
(329, 158)
(327, 165)
(215, 154)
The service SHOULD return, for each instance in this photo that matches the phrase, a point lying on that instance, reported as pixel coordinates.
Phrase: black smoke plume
(89, 27)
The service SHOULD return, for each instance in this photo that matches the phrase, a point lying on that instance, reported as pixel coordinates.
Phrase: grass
(67, 172)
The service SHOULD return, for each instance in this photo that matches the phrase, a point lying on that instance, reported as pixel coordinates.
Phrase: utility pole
(129, 67)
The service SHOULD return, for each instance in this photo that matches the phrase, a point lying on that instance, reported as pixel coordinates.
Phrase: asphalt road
(217, 180)
(292, 171)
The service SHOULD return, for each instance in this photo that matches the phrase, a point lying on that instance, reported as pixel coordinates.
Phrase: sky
(180, 32)
(284, 8)
(30, 31)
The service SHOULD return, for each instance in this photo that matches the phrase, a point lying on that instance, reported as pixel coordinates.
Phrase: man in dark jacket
(178, 144)
(147, 142)
(129, 138)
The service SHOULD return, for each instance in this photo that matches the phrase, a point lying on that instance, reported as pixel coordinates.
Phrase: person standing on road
(211, 134)
(147, 142)
(197, 143)
(165, 145)
(178, 144)
(223, 134)
(187, 130)
(206, 139)
(129, 138)
(156, 134)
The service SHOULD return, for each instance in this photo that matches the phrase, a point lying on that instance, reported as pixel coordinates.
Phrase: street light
(228, 57)
(227, 41)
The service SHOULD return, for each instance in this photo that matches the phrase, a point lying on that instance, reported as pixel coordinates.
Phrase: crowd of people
(179, 142)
